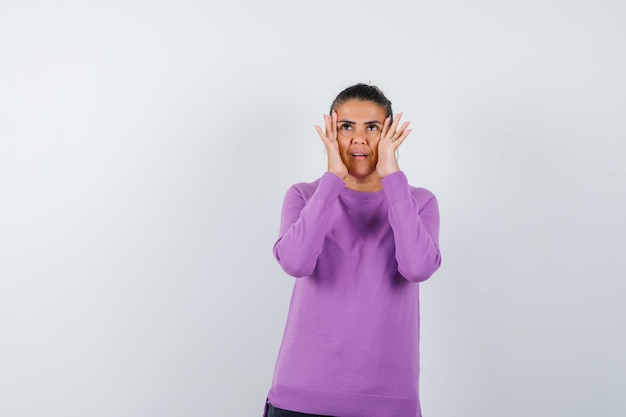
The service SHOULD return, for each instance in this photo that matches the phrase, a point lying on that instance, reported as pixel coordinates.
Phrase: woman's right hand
(329, 137)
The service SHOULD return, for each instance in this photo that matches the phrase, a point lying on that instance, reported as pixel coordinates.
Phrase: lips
(359, 154)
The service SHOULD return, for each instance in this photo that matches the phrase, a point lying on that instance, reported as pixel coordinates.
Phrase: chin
(362, 174)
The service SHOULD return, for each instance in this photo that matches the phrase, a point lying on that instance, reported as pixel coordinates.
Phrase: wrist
(387, 170)
(341, 174)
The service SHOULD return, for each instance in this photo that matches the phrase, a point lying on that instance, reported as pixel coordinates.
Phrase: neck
(367, 184)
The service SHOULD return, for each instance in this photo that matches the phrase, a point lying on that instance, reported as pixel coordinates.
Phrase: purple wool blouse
(351, 341)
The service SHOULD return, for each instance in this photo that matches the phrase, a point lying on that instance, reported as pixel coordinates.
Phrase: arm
(304, 224)
(415, 229)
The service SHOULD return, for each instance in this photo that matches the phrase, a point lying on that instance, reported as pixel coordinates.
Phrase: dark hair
(363, 92)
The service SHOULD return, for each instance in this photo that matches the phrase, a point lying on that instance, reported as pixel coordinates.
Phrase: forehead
(360, 111)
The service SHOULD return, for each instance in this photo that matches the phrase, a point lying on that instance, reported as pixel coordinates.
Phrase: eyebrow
(350, 122)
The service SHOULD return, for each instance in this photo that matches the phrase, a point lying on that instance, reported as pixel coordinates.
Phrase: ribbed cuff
(396, 187)
(330, 187)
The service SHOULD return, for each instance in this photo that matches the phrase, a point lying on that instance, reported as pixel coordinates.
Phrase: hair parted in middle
(364, 92)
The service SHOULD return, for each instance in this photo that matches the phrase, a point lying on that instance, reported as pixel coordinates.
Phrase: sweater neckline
(362, 195)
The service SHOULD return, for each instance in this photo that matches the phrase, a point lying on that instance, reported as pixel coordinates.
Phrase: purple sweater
(351, 342)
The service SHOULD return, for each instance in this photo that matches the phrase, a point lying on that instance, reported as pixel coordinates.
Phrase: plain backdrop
(146, 146)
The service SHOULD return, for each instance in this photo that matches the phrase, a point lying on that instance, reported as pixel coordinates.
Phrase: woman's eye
(372, 128)
(345, 127)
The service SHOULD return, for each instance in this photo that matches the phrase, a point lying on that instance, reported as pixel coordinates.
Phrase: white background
(145, 148)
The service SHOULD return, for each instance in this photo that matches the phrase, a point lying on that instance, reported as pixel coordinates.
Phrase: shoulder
(304, 189)
(422, 195)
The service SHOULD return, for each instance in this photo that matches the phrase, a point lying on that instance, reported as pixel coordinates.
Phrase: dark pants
(278, 412)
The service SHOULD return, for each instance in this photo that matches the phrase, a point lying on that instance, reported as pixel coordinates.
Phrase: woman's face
(359, 125)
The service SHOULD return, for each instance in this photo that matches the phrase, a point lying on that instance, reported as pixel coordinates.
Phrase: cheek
(343, 144)
(374, 142)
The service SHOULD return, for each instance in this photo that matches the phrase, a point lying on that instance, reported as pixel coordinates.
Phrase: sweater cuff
(396, 187)
(330, 187)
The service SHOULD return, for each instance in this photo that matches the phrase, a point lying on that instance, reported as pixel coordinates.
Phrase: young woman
(358, 240)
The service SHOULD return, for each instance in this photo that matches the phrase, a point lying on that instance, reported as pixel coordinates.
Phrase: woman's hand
(329, 137)
(390, 139)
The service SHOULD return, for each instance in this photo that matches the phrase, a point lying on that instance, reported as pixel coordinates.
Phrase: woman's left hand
(390, 139)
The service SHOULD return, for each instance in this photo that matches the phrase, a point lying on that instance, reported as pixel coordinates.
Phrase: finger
(394, 125)
(398, 142)
(402, 129)
(327, 124)
(320, 132)
(404, 135)
(391, 133)
(325, 133)
(398, 133)
(333, 125)
(385, 130)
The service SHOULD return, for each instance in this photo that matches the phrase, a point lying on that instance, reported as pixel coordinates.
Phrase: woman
(359, 240)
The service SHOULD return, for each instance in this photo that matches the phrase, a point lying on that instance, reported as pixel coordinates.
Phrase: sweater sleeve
(415, 228)
(304, 224)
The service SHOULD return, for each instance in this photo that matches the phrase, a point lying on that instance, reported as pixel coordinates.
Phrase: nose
(359, 137)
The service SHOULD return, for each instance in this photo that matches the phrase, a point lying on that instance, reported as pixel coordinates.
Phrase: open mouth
(359, 155)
